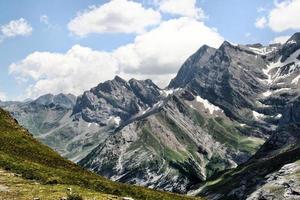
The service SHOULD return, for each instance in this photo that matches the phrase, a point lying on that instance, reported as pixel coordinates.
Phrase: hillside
(22, 155)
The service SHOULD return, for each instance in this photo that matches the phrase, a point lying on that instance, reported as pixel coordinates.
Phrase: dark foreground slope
(21, 154)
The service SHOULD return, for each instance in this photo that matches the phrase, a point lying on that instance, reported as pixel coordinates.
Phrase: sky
(71, 46)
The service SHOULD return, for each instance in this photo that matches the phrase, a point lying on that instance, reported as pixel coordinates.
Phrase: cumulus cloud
(164, 49)
(187, 8)
(261, 22)
(15, 28)
(284, 16)
(116, 16)
(73, 72)
(280, 39)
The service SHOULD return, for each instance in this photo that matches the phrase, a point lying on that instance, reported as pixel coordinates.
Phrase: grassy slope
(22, 154)
(13, 187)
(227, 134)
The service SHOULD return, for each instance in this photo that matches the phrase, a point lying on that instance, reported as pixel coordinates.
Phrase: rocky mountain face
(116, 101)
(175, 144)
(215, 114)
(273, 172)
(251, 83)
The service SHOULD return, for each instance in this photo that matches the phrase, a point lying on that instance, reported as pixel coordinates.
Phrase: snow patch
(278, 116)
(296, 80)
(114, 121)
(208, 105)
(257, 115)
(243, 125)
(263, 50)
(267, 93)
(166, 93)
(292, 42)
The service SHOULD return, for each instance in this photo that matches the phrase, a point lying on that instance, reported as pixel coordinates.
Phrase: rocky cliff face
(175, 144)
(273, 172)
(251, 83)
(116, 100)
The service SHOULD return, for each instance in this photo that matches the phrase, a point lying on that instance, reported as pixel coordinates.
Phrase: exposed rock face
(268, 174)
(116, 98)
(283, 184)
(252, 83)
(42, 114)
(229, 78)
(179, 144)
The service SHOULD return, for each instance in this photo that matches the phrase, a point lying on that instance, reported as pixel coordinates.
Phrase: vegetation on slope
(22, 154)
(14, 187)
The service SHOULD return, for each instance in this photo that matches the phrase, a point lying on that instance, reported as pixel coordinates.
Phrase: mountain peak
(119, 79)
(226, 44)
(295, 37)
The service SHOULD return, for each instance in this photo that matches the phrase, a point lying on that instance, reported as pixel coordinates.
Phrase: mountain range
(226, 127)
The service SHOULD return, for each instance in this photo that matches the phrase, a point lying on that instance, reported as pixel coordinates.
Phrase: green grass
(22, 154)
(14, 187)
(227, 134)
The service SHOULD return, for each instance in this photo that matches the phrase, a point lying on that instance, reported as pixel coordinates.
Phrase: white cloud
(285, 16)
(280, 39)
(164, 49)
(44, 19)
(116, 16)
(15, 28)
(2, 96)
(73, 72)
(187, 8)
(261, 22)
(157, 54)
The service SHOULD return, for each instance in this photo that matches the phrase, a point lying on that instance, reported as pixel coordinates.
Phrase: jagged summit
(116, 98)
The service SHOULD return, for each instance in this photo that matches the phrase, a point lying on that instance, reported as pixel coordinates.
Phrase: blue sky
(119, 49)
